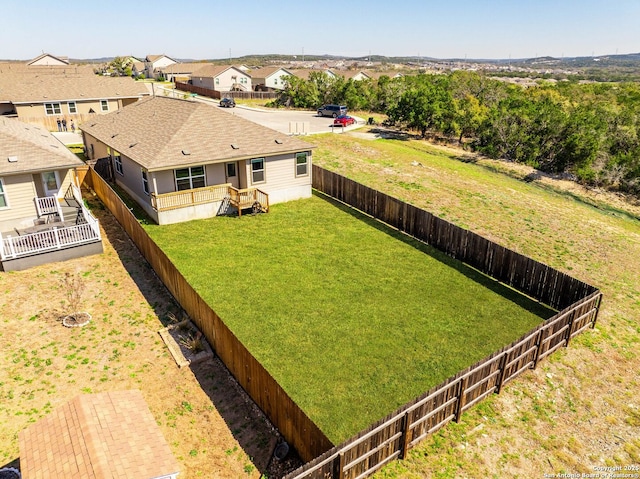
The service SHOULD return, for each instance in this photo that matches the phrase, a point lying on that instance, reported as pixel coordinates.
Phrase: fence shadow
(522, 300)
(247, 423)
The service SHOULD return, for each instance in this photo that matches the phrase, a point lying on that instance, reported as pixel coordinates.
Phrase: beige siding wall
(202, 82)
(280, 175)
(20, 192)
(99, 149)
(165, 181)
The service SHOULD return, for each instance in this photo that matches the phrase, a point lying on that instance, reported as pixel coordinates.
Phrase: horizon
(493, 30)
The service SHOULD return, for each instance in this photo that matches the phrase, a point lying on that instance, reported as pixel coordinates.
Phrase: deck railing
(195, 196)
(13, 247)
(48, 205)
(244, 198)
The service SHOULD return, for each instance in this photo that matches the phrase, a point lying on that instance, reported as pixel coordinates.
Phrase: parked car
(227, 103)
(332, 110)
(344, 120)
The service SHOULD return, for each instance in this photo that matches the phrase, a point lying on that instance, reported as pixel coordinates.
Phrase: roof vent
(186, 152)
(235, 146)
(114, 135)
(12, 159)
(133, 144)
(278, 141)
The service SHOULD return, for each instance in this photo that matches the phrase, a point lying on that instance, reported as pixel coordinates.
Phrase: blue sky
(211, 29)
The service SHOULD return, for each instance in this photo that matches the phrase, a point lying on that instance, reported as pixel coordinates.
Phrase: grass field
(352, 318)
(580, 408)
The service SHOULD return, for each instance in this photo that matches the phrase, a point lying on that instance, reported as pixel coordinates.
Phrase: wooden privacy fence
(260, 95)
(393, 436)
(285, 414)
(197, 89)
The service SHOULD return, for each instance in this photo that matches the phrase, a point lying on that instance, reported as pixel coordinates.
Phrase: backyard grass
(579, 409)
(352, 318)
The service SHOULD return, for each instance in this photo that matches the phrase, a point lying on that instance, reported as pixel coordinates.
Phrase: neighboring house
(305, 73)
(138, 69)
(39, 191)
(183, 160)
(57, 94)
(356, 75)
(97, 436)
(222, 78)
(47, 59)
(181, 72)
(156, 63)
(270, 78)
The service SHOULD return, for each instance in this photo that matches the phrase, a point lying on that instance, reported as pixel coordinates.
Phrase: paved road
(284, 121)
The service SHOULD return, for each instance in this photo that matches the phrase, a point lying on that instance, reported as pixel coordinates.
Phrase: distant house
(155, 63)
(356, 75)
(39, 192)
(270, 78)
(181, 72)
(47, 95)
(47, 59)
(183, 160)
(221, 78)
(98, 436)
(305, 73)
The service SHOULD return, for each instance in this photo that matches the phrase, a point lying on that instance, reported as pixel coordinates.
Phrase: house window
(4, 202)
(188, 178)
(52, 108)
(104, 105)
(217, 81)
(257, 170)
(302, 164)
(275, 81)
(117, 161)
(231, 170)
(72, 107)
(145, 182)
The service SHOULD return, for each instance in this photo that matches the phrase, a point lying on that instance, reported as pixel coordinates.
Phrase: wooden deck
(253, 198)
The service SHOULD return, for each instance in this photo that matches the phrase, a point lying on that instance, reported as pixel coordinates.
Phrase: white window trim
(117, 163)
(263, 170)
(46, 111)
(102, 105)
(190, 177)
(3, 193)
(306, 153)
(75, 107)
(145, 182)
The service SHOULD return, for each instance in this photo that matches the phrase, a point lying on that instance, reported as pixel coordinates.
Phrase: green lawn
(352, 318)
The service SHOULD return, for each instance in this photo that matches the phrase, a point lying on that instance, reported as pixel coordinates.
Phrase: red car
(344, 120)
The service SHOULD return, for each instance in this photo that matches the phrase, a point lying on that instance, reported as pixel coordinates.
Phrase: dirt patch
(213, 428)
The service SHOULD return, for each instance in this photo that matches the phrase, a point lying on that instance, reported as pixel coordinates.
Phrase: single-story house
(305, 73)
(184, 159)
(42, 215)
(181, 72)
(44, 97)
(46, 59)
(356, 75)
(269, 78)
(156, 63)
(221, 78)
(97, 436)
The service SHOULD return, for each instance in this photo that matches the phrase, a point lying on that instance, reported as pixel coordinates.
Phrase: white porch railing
(48, 240)
(52, 237)
(49, 205)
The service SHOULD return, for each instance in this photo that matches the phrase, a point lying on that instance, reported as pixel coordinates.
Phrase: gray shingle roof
(35, 148)
(25, 87)
(163, 133)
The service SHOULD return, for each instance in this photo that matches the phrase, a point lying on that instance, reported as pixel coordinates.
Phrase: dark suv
(332, 110)
(227, 102)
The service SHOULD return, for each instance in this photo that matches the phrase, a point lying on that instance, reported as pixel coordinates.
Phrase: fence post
(461, 394)
(340, 466)
(593, 323)
(539, 342)
(570, 328)
(406, 426)
(503, 362)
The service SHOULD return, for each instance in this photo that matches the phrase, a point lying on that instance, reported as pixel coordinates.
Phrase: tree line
(590, 131)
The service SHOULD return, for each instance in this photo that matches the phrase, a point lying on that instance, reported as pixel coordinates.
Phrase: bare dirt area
(209, 422)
